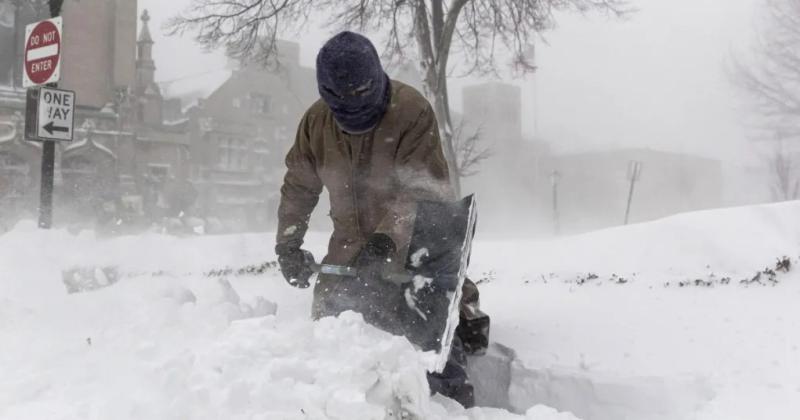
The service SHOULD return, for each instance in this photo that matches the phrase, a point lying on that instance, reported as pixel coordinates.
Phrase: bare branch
(475, 29)
(771, 80)
(470, 151)
(785, 179)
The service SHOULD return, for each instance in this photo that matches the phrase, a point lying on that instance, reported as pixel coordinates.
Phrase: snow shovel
(436, 267)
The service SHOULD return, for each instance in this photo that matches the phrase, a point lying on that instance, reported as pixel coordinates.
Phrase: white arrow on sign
(56, 114)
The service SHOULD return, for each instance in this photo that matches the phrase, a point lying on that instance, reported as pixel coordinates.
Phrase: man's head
(352, 82)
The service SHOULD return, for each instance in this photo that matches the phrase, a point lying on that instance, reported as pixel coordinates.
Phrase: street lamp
(634, 173)
(555, 179)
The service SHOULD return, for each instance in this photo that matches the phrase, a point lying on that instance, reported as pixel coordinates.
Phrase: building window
(261, 154)
(241, 154)
(237, 103)
(222, 153)
(158, 173)
(260, 103)
(232, 154)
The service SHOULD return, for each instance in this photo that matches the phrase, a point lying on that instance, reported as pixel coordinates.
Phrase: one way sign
(50, 114)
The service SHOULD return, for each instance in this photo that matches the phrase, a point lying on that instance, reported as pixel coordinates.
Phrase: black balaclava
(352, 82)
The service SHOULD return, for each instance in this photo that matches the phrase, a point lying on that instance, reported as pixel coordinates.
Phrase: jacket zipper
(355, 159)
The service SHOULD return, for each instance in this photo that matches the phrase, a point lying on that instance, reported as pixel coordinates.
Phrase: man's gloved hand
(375, 256)
(294, 264)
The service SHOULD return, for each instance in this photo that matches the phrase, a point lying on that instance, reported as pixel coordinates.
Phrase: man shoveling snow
(374, 144)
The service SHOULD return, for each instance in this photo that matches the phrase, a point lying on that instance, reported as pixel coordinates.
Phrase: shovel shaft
(347, 271)
(336, 270)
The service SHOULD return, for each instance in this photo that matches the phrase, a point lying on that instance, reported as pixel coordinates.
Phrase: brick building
(136, 154)
(124, 161)
(240, 135)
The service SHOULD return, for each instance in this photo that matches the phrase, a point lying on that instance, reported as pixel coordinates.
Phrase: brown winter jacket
(373, 179)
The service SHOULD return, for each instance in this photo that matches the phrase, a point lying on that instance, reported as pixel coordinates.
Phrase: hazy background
(656, 80)
(200, 142)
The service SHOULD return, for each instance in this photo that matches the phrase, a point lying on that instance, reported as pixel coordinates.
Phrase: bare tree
(771, 79)
(470, 152)
(435, 28)
(785, 181)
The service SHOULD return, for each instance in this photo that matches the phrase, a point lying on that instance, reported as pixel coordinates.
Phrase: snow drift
(175, 344)
(167, 342)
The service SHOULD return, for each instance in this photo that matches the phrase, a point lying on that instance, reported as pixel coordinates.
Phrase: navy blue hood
(352, 82)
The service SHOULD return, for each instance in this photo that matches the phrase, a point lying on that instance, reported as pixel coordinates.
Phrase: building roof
(204, 84)
(195, 86)
(144, 34)
(88, 143)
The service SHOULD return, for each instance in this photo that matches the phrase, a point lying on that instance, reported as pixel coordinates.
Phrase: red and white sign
(42, 53)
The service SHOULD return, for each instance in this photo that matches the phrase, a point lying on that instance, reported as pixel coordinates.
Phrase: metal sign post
(634, 173)
(49, 112)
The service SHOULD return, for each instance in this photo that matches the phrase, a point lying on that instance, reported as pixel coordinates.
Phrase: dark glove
(375, 256)
(295, 264)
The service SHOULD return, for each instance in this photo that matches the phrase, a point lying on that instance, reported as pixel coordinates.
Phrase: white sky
(657, 80)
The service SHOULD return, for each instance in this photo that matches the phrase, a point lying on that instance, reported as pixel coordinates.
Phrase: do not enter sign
(42, 53)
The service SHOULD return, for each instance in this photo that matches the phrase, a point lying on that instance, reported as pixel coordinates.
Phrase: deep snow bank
(734, 242)
(167, 343)
(611, 324)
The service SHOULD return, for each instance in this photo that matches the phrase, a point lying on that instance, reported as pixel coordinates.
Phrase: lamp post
(634, 172)
(555, 179)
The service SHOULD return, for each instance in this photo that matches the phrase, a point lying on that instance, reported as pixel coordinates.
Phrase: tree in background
(771, 80)
(469, 151)
(785, 183)
(475, 29)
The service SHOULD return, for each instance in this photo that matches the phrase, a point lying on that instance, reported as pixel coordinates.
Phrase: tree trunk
(441, 107)
(433, 39)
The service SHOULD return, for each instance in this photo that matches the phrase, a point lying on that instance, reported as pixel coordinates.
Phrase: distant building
(240, 135)
(162, 154)
(99, 49)
(137, 155)
(515, 185)
(124, 161)
(506, 183)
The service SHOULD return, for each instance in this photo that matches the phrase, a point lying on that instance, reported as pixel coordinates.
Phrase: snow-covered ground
(649, 321)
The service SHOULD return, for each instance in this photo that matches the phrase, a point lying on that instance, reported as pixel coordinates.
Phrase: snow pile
(175, 344)
(598, 322)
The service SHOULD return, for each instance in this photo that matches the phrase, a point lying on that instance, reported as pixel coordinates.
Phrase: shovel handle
(346, 271)
(336, 270)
